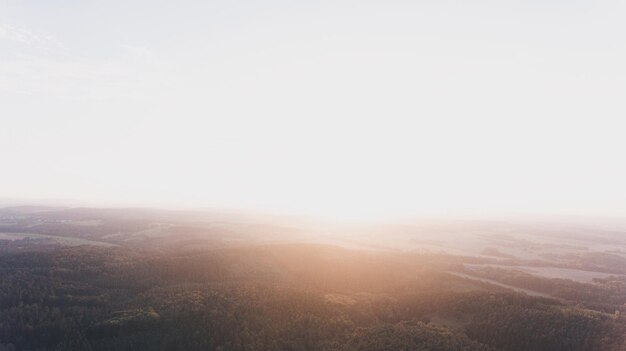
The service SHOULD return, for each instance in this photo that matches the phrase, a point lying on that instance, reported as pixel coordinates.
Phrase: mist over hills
(338, 175)
(129, 279)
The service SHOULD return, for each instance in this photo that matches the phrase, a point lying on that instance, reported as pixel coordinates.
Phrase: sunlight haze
(345, 108)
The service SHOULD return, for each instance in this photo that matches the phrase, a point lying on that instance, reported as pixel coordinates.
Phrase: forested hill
(91, 279)
(277, 297)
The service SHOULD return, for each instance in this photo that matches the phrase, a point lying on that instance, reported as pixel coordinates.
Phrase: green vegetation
(276, 297)
(186, 281)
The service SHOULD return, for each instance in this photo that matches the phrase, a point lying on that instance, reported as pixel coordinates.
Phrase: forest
(286, 295)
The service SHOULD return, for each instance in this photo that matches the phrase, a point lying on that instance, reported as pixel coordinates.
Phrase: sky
(340, 108)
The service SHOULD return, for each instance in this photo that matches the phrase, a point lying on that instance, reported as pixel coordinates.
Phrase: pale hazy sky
(349, 108)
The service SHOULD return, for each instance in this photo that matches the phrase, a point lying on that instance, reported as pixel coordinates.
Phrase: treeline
(278, 297)
(605, 295)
